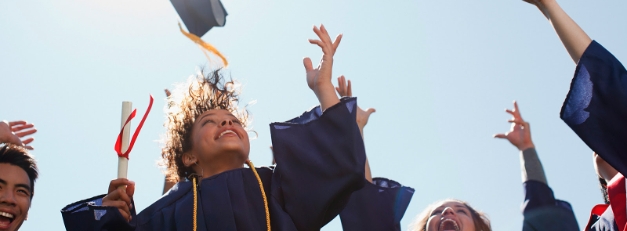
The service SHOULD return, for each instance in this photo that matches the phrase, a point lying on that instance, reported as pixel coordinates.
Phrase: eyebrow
(210, 114)
(2, 181)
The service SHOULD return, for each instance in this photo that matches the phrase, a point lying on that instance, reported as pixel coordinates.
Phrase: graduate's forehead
(13, 175)
(215, 112)
(450, 204)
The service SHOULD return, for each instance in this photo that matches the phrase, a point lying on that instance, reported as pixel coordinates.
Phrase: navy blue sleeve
(88, 214)
(320, 163)
(542, 212)
(377, 206)
(596, 105)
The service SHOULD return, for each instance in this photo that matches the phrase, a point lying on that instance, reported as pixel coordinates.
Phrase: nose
(448, 211)
(227, 122)
(7, 197)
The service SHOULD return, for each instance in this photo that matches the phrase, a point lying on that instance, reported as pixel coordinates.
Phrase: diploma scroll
(127, 108)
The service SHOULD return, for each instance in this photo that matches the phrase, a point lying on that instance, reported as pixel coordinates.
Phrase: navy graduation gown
(596, 105)
(320, 163)
(596, 110)
(542, 212)
(379, 205)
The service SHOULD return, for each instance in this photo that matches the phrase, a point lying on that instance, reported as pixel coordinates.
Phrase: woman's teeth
(226, 132)
(448, 225)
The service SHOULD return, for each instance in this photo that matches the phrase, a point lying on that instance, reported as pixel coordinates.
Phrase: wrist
(525, 146)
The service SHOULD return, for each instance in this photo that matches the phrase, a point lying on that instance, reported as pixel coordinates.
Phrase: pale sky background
(439, 73)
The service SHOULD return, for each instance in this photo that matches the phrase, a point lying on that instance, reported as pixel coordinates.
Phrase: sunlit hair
(202, 92)
(18, 156)
(482, 223)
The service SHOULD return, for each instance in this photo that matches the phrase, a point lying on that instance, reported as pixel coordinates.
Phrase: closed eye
(462, 211)
(208, 121)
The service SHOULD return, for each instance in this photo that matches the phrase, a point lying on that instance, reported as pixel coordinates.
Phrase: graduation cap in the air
(596, 105)
(199, 16)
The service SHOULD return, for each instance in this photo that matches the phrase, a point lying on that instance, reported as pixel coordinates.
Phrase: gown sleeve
(379, 205)
(596, 105)
(89, 214)
(320, 162)
(542, 212)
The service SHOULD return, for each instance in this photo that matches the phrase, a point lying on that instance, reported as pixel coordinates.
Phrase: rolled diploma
(127, 107)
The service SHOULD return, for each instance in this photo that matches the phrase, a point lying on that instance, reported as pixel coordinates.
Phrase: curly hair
(482, 223)
(202, 92)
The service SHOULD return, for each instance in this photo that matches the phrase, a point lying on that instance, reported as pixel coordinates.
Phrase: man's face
(15, 196)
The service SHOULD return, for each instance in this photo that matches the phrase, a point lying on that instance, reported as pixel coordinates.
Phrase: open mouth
(6, 219)
(448, 225)
(227, 133)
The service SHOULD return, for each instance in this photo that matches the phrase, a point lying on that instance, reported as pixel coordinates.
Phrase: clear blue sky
(439, 74)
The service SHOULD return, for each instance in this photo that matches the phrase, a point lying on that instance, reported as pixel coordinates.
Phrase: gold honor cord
(204, 45)
(195, 203)
(263, 194)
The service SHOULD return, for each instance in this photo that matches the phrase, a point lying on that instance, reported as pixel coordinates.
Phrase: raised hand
(120, 197)
(344, 89)
(520, 133)
(319, 78)
(15, 131)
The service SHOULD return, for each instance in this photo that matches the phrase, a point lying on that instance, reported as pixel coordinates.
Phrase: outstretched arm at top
(344, 89)
(319, 78)
(520, 136)
(573, 37)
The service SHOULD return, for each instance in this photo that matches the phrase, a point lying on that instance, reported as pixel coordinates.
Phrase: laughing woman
(320, 163)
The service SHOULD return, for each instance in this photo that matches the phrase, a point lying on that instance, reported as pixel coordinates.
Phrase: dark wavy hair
(18, 156)
(603, 186)
(482, 223)
(202, 92)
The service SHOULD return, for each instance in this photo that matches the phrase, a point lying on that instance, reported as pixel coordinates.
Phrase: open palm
(520, 133)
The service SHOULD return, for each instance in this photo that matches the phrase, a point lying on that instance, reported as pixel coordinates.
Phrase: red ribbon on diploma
(118, 142)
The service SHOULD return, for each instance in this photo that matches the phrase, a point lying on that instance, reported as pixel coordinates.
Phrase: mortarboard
(199, 16)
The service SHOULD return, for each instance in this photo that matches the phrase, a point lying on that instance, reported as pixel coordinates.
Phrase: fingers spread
(28, 141)
(349, 89)
(25, 133)
(19, 122)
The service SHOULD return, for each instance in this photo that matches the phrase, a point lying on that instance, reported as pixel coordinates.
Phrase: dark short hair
(17, 155)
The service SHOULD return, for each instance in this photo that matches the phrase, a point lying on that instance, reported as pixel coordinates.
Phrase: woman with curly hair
(320, 163)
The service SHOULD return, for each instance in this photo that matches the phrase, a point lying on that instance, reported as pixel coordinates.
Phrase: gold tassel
(203, 44)
(263, 193)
